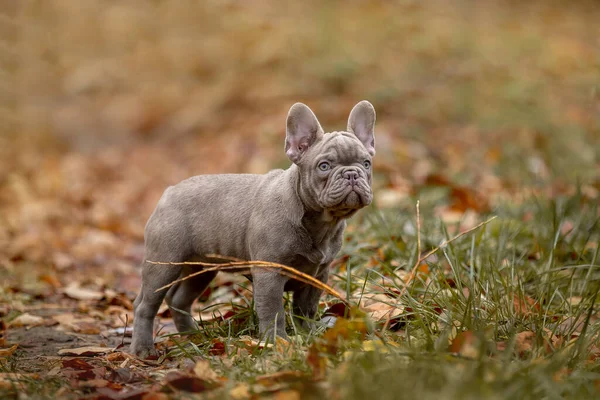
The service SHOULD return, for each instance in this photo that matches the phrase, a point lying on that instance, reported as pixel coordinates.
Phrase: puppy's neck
(314, 217)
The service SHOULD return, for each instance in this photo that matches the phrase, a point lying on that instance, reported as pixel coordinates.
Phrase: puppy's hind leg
(147, 303)
(182, 296)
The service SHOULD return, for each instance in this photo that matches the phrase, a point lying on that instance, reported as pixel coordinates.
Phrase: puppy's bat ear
(362, 123)
(303, 129)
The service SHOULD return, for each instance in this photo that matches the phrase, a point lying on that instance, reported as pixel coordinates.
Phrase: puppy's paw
(309, 325)
(144, 351)
(305, 325)
(268, 336)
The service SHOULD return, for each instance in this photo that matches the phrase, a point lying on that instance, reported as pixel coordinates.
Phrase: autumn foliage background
(103, 104)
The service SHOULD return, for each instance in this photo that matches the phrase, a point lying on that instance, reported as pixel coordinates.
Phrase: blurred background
(105, 103)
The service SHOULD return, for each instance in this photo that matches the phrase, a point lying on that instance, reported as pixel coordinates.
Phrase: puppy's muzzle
(348, 190)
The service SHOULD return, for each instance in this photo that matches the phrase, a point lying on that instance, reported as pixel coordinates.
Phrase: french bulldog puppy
(294, 217)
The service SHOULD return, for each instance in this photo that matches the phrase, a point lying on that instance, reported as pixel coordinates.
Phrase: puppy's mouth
(344, 196)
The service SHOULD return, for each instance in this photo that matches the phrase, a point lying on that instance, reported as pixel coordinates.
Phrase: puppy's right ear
(303, 129)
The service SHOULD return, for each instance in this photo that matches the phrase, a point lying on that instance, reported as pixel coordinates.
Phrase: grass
(507, 311)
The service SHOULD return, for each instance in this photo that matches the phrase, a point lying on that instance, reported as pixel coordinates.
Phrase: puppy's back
(209, 214)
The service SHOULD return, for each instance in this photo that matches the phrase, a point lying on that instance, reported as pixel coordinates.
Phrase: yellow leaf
(240, 392)
(203, 370)
(287, 395)
(5, 353)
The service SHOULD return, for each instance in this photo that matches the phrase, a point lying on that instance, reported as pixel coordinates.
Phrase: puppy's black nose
(352, 176)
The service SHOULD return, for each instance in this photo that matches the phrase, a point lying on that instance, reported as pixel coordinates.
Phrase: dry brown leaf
(76, 292)
(466, 344)
(378, 345)
(27, 320)
(574, 300)
(344, 329)
(240, 392)
(524, 343)
(77, 363)
(2, 333)
(51, 280)
(338, 310)
(279, 377)
(118, 356)
(77, 323)
(5, 353)
(251, 343)
(289, 394)
(525, 305)
(188, 383)
(87, 351)
(367, 301)
(94, 383)
(87, 328)
(155, 396)
(385, 312)
(203, 370)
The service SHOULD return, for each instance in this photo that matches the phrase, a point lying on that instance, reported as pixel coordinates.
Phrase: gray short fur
(294, 217)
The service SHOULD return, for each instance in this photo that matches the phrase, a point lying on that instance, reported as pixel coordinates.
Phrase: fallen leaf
(289, 394)
(385, 312)
(125, 375)
(525, 305)
(5, 353)
(76, 292)
(51, 280)
(117, 356)
(524, 343)
(203, 370)
(112, 298)
(87, 328)
(2, 333)
(218, 347)
(26, 320)
(77, 363)
(88, 351)
(574, 300)
(107, 393)
(354, 328)
(337, 310)
(280, 377)
(94, 383)
(378, 346)
(155, 396)
(188, 383)
(76, 375)
(240, 392)
(466, 344)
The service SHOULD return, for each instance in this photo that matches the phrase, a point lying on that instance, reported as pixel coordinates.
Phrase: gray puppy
(294, 217)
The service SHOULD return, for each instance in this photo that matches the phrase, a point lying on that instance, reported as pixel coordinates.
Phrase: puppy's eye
(324, 166)
(367, 164)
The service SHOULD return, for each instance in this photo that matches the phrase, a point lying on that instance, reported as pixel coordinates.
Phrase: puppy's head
(335, 168)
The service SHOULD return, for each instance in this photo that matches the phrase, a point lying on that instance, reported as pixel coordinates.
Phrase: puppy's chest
(319, 253)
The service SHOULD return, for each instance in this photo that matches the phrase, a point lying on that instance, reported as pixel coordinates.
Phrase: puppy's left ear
(362, 123)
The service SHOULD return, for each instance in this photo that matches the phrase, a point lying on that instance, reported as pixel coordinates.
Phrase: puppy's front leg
(306, 301)
(268, 289)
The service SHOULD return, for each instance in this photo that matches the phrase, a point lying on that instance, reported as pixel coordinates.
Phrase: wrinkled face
(337, 170)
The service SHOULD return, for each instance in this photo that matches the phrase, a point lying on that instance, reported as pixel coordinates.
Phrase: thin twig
(245, 265)
(418, 237)
(124, 330)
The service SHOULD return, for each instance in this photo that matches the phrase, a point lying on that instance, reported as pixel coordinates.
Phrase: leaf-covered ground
(484, 110)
